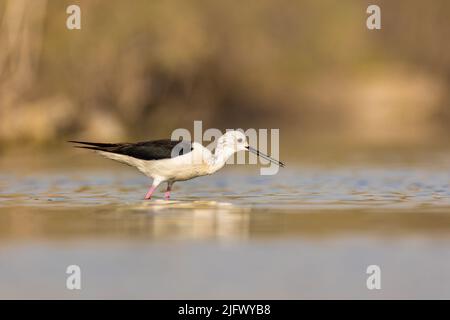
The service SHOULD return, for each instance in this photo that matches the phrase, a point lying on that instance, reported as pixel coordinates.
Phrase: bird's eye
(239, 140)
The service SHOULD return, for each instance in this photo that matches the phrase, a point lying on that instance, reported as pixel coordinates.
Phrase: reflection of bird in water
(173, 160)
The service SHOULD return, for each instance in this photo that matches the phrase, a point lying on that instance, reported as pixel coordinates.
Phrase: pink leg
(167, 194)
(150, 192)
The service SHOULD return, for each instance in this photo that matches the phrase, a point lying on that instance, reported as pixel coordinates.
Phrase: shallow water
(305, 233)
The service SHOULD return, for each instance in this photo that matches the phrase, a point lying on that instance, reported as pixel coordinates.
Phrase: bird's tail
(94, 145)
(108, 150)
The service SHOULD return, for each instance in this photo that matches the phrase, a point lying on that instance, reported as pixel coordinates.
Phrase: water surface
(308, 232)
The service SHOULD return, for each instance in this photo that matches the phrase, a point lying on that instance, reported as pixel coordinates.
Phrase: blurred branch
(21, 39)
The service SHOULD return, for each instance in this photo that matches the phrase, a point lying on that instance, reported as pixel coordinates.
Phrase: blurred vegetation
(138, 70)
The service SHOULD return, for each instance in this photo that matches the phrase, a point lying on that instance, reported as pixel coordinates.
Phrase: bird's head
(235, 141)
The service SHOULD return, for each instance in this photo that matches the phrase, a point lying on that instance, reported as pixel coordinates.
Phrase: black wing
(147, 150)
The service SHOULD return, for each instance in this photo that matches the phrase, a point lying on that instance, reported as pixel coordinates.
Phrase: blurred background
(310, 68)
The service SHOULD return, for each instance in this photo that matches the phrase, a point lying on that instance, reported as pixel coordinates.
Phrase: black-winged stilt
(157, 159)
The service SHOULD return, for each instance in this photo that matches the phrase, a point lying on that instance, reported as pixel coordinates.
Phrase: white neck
(220, 157)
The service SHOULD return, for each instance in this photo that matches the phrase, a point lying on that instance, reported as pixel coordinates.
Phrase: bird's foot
(167, 195)
(149, 194)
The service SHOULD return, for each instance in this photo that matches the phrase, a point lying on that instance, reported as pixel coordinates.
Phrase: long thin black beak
(265, 156)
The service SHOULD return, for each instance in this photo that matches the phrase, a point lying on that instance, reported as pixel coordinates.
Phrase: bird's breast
(178, 168)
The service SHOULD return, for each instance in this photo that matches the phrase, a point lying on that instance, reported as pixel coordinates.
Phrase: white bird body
(199, 162)
(157, 160)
